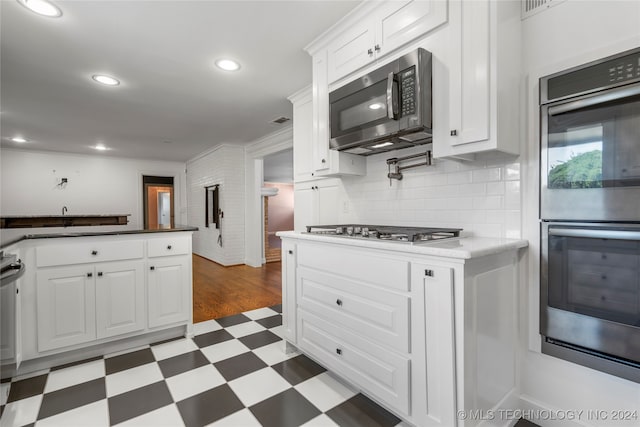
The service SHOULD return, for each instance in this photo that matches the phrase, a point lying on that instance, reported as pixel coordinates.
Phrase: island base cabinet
(167, 293)
(66, 307)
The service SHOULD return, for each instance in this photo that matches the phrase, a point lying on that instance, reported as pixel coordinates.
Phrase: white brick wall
(224, 166)
(481, 196)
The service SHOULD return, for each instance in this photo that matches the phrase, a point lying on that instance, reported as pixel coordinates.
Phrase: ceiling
(172, 103)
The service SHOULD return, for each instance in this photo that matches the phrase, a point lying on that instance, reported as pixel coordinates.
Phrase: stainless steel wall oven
(590, 214)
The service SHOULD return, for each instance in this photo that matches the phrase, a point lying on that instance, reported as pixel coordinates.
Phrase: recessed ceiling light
(382, 144)
(227, 64)
(106, 80)
(18, 139)
(100, 147)
(42, 7)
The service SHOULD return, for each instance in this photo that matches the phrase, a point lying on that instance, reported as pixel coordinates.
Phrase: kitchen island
(425, 329)
(90, 293)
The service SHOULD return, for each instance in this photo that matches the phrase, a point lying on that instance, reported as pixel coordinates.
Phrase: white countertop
(458, 247)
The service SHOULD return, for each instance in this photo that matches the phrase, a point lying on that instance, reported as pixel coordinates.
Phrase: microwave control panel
(407, 80)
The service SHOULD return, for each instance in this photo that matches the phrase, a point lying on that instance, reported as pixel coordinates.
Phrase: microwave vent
(532, 7)
(280, 120)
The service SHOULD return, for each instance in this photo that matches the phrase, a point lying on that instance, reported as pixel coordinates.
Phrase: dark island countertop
(64, 234)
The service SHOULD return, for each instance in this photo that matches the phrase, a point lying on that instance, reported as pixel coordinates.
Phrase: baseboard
(505, 413)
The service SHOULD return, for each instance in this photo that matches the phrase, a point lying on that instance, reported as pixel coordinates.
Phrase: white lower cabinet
(169, 300)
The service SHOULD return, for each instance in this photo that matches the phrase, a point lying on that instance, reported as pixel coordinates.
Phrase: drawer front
(361, 264)
(167, 246)
(379, 315)
(84, 252)
(379, 372)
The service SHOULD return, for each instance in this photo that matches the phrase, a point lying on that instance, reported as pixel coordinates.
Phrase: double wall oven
(590, 214)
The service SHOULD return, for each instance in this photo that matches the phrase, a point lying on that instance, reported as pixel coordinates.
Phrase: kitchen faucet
(64, 209)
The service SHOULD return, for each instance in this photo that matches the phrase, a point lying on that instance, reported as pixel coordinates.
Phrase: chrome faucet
(64, 209)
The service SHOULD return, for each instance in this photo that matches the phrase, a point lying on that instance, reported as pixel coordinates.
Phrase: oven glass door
(591, 157)
(591, 287)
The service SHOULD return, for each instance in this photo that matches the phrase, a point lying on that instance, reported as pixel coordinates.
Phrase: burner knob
(365, 231)
(339, 230)
(357, 230)
(349, 231)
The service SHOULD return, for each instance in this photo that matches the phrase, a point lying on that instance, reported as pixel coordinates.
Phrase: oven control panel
(626, 69)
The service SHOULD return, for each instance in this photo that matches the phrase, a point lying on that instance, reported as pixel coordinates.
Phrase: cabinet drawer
(379, 372)
(85, 252)
(360, 264)
(167, 246)
(375, 313)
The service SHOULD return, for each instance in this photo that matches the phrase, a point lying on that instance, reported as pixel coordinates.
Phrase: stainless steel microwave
(387, 109)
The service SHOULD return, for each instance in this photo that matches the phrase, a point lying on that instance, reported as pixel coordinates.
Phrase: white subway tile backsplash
(494, 188)
(488, 202)
(512, 171)
(485, 175)
(459, 177)
(512, 195)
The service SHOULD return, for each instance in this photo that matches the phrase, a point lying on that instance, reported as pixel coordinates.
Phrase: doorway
(277, 194)
(158, 202)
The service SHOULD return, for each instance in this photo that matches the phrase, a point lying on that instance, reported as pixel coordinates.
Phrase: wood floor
(220, 291)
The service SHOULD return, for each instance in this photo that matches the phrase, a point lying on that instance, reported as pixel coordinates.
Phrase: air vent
(532, 7)
(280, 120)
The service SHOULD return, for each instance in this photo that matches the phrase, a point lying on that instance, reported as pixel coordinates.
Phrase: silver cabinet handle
(377, 48)
(370, 52)
(428, 273)
(94, 252)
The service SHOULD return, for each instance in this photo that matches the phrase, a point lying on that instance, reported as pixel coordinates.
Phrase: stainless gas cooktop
(385, 232)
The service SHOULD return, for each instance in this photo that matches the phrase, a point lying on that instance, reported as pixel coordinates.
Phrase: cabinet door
(305, 211)
(66, 307)
(351, 50)
(403, 21)
(168, 290)
(120, 305)
(303, 139)
(320, 127)
(328, 201)
(289, 290)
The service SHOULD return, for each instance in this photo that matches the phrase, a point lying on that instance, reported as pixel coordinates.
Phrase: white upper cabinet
(302, 136)
(391, 25)
(483, 62)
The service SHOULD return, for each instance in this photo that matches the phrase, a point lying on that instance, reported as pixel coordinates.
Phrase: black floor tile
(238, 366)
(168, 340)
(525, 423)
(205, 408)
(236, 319)
(79, 362)
(182, 363)
(72, 397)
(277, 307)
(298, 369)
(139, 401)
(27, 388)
(270, 322)
(259, 339)
(360, 411)
(128, 361)
(211, 338)
(287, 409)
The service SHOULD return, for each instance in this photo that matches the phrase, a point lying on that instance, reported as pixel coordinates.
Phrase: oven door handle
(610, 95)
(595, 234)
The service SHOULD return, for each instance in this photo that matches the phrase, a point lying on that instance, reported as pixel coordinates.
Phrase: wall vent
(532, 7)
(280, 120)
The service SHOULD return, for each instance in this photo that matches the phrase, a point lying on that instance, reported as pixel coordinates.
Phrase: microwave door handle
(392, 97)
(610, 95)
(596, 234)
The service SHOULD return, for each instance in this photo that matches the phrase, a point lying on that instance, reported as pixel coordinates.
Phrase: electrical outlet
(345, 206)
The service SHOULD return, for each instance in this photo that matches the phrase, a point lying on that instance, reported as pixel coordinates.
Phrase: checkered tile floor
(234, 372)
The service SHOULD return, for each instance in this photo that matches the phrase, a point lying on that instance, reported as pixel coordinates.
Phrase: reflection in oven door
(591, 292)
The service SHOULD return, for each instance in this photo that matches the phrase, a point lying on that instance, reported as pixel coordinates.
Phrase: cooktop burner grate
(385, 232)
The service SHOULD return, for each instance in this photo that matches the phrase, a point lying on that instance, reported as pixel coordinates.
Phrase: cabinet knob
(152, 268)
(339, 302)
(454, 132)
(339, 350)
(377, 48)
(89, 274)
(169, 247)
(428, 273)
(323, 161)
(94, 252)
(290, 252)
(370, 52)
(99, 273)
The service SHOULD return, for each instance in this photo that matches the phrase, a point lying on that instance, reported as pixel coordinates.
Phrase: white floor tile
(4, 392)
(320, 421)
(324, 391)
(92, 415)
(204, 327)
(246, 328)
(74, 375)
(224, 350)
(133, 378)
(274, 353)
(260, 313)
(30, 375)
(278, 330)
(193, 382)
(165, 416)
(173, 348)
(21, 412)
(258, 386)
(242, 418)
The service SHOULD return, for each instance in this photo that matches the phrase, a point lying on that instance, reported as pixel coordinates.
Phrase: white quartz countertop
(458, 247)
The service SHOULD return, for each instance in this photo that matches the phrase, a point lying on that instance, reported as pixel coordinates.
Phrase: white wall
(570, 34)
(223, 165)
(96, 185)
